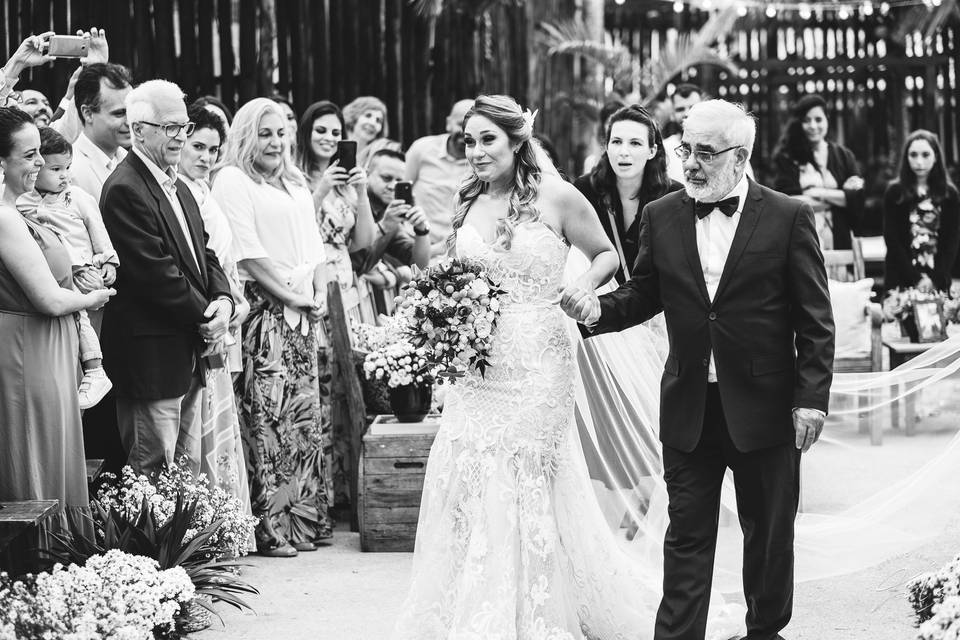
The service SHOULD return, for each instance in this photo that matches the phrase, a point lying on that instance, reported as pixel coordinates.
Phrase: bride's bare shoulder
(557, 193)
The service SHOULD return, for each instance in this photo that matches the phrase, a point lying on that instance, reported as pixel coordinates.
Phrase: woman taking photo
(631, 173)
(921, 218)
(820, 172)
(41, 455)
(281, 263)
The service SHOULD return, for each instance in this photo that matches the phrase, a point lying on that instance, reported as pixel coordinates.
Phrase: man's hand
(97, 48)
(109, 273)
(218, 314)
(808, 423)
(394, 215)
(580, 302)
(30, 53)
(853, 183)
(418, 220)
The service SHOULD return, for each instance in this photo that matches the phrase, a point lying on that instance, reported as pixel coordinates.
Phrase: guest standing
(631, 173)
(366, 120)
(346, 223)
(173, 295)
(41, 456)
(822, 173)
(921, 218)
(280, 254)
(221, 445)
(436, 165)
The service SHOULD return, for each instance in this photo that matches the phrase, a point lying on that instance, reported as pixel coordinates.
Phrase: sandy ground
(340, 593)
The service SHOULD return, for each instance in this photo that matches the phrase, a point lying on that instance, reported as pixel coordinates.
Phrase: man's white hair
(731, 121)
(143, 101)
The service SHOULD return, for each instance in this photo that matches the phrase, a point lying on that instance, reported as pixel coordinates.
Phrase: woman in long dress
(281, 261)
(511, 542)
(41, 436)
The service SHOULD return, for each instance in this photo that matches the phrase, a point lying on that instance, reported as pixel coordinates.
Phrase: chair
(845, 268)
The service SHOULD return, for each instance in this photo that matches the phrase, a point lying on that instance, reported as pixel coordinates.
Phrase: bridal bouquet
(935, 598)
(450, 311)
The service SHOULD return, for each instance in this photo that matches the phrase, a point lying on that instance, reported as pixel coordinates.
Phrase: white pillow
(850, 301)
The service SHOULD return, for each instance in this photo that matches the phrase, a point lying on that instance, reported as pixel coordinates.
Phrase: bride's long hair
(504, 112)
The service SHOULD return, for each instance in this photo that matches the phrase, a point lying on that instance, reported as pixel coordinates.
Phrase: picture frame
(928, 315)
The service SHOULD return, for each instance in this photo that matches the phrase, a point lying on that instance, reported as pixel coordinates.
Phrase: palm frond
(573, 37)
(428, 8)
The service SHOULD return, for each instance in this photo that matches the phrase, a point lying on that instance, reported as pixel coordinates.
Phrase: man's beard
(713, 190)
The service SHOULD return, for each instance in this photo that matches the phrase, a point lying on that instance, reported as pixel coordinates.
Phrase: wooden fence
(324, 49)
(880, 84)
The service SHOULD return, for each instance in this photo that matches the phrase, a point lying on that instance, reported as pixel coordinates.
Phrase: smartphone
(67, 47)
(403, 190)
(347, 154)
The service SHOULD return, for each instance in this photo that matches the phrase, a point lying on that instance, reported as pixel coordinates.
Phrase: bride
(512, 542)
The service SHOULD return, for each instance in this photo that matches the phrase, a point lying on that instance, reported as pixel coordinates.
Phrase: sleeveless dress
(41, 436)
(511, 542)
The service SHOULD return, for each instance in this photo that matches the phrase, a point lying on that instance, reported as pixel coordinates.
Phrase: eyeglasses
(173, 130)
(703, 157)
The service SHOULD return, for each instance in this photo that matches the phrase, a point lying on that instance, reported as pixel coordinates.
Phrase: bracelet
(422, 232)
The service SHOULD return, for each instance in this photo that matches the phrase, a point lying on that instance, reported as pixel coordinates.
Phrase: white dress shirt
(714, 237)
(168, 183)
(91, 166)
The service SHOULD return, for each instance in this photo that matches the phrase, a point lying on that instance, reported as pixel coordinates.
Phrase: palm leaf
(573, 37)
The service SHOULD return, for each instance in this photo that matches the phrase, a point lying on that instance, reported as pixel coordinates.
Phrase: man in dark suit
(737, 270)
(172, 296)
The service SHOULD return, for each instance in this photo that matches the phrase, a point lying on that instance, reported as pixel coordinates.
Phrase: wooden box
(393, 460)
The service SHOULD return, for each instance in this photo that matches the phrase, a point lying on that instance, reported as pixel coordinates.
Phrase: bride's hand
(579, 301)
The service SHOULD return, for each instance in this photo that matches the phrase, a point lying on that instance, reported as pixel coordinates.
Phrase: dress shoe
(306, 545)
(278, 551)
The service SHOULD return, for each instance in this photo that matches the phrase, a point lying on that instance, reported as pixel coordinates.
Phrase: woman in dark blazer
(631, 173)
(821, 172)
(921, 218)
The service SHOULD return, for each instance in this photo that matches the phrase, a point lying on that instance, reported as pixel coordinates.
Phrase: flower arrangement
(213, 504)
(450, 311)
(935, 598)
(115, 596)
(922, 316)
(399, 364)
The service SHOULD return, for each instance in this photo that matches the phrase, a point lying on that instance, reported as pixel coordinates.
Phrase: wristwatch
(421, 232)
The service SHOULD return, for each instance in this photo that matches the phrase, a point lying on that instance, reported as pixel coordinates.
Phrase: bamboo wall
(325, 49)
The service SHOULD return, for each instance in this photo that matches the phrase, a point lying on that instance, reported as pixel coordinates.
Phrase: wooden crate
(390, 480)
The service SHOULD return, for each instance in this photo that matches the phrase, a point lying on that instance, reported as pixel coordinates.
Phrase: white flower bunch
(945, 623)
(116, 596)
(399, 364)
(177, 480)
(451, 310)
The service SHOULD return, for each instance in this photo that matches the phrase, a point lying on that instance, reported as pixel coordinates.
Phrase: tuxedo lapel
(688, 235)
(749, 218)
(169, 218)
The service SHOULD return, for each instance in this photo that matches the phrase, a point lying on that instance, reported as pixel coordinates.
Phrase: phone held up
(347, 154)
(67, 47)
(403, 190)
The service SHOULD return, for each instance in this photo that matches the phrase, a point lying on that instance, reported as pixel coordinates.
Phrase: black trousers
(768, 489)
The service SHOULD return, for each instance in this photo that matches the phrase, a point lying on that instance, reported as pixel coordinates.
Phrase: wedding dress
(512, 542)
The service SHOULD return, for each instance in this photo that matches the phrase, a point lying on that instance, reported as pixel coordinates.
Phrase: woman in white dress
(511, 541)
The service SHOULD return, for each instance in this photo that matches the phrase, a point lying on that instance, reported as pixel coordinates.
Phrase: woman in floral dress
(346, 224)
(921, 218)
(282, 264)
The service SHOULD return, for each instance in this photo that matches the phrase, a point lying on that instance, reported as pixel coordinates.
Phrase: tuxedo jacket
(770, 324)
(151, 340)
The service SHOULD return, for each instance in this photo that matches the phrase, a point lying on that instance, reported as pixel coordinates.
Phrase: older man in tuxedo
(737, 270)
(172, 296)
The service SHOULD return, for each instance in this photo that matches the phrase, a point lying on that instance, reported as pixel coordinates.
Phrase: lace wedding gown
(511, 542)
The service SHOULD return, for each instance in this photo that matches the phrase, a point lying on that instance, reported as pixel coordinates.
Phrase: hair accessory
(528, 119)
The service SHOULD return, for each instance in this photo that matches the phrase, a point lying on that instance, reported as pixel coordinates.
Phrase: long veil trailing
(617, 413)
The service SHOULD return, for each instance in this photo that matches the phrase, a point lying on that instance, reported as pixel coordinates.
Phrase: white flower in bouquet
(945, 623)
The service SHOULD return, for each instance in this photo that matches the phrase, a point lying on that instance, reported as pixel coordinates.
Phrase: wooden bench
(390, 481)
(15, 517)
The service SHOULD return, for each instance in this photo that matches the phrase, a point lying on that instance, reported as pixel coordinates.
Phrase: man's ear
(85, 111)
(743, 155)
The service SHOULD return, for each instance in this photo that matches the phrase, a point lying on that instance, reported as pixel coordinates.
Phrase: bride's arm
(581, 228)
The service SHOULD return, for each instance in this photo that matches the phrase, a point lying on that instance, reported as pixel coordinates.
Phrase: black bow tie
(727, 207)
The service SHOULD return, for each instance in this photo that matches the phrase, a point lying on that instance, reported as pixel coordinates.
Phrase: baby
(75, 216)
